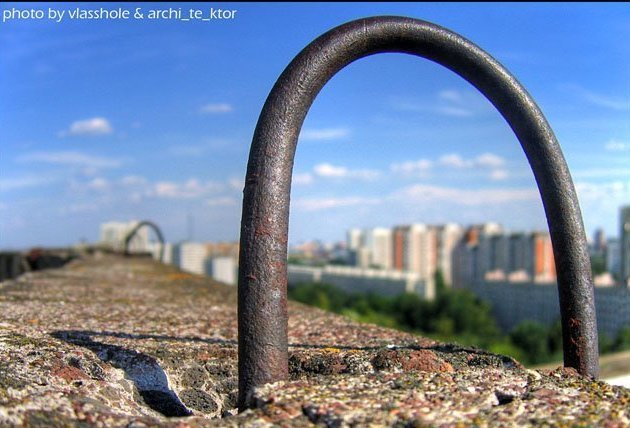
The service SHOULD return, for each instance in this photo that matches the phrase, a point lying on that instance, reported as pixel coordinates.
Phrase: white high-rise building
(354, 239)
(192, 257)
(168, 253)
(355, 246)
(423, 250)
(222, 269)
(380, 239)
(448, 236)
(363, 257)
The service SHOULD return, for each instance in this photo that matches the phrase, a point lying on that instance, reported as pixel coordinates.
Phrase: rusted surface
(262, 301)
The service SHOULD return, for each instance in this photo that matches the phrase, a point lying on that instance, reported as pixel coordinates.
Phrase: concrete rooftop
(108, 341)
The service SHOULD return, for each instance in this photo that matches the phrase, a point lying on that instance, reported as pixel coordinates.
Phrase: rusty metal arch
(262, 305)
(155, 228)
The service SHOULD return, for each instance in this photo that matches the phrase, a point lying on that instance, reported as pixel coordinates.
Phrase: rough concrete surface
(110, 341)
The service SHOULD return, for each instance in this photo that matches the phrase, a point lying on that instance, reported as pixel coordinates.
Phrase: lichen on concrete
(108, 341)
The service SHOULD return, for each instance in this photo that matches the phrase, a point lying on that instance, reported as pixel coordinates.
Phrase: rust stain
(68, 373)
(574, 323)
(263, 230)
(422, 360)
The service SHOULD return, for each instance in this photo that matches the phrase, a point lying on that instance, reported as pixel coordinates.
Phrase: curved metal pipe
(262, 305)
(155, 228)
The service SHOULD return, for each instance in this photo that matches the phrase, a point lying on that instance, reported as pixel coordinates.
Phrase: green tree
(598, 264)
(440, 283)
(622, 342)
(531, 337)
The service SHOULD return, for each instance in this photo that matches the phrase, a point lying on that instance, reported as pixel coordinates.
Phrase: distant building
(224, 249)
(216, 259)
(415, 250)
(223, 269)
(354, 239)
(379, 240)
(354, 243)
(624, 243)
(353, 279)
(448, 236)
(363, 257)
(487, 253)
(544, 267)
(168, 253)
(613, 257)
(477, 254)
(519, 253)
(113, 235)
(192, 257)
(599, 242)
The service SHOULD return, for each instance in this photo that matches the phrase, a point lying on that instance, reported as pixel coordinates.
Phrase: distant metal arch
(262, 288)
(155, 228)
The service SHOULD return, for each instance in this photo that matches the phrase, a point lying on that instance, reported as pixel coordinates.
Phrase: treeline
(454, 316)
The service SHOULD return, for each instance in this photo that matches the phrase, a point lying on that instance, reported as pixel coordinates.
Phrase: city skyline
(153, 120)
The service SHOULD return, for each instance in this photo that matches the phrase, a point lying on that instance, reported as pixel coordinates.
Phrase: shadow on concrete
(143, 370)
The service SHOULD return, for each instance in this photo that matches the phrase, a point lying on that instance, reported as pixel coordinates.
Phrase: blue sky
(152, 119)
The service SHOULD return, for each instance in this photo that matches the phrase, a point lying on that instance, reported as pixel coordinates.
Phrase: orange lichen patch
(561, 371)
(68, 373)
(332, 350)
(179, 276)
(422, 360)
(278, 413)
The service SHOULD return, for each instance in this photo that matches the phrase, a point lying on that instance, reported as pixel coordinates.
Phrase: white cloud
(167, 189)
(450, 95)
(613, 190)
(192, 188)
(236, 184)
(617, 146)
(426, 193)
(216, 108)
(454, 161)
(486, 160)
(499, 174)
(447, 102)
(90, 127)
(303, 179)
(327, 170)
(324, 134)
(420, 167)
(317, 204)
(7, 184)
(99, 183)
(489, 160)
(70, 158)
(221, 202)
